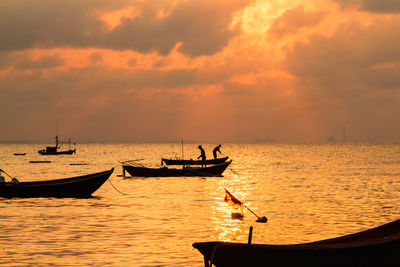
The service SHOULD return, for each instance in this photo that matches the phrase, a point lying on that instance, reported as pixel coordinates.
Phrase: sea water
(307, 191)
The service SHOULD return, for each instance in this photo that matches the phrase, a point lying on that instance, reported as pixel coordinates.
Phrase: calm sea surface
(307, 191)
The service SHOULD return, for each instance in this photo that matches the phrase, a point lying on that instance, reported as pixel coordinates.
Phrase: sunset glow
(200, 70)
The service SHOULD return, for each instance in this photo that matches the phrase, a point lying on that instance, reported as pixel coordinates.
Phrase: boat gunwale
(178, 162)
(59, 180)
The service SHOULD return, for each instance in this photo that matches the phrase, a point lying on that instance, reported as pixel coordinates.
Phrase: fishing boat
(19, 154)
(378, 246)
(54, 150)
(192, 162)
(137, 170)
(76, 187)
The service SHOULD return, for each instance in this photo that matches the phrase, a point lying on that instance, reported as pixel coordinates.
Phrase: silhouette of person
(216, 149)
(202, 156)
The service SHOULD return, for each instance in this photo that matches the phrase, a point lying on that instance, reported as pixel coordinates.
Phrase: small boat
(142, 171)
(40, 161)
(53, 150)
(192, 162)
(378, 246)
(19, 154)
(76, 187)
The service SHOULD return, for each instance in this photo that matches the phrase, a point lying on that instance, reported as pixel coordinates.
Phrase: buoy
(262, 219)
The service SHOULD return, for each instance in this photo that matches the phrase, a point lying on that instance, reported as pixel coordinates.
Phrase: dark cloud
(201, 26)
(30, 24)
(378, 6)
(293, 20)
(352, 53)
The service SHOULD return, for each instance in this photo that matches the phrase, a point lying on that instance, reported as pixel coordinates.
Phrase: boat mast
(57, 135)
(182, 150)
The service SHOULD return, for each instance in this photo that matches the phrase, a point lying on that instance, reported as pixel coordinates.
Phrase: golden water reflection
(307, 192)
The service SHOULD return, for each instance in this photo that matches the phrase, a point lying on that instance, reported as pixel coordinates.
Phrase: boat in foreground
(77, 187)
(378, 246)
(142, 171)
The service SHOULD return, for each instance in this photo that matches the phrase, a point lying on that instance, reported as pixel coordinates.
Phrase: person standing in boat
(202, 156)
(216, 149)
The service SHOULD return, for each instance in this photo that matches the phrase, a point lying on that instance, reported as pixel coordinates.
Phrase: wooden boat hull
(375, 247)
(66, 152)
(215, 170)
(193, 162)
(77, 187)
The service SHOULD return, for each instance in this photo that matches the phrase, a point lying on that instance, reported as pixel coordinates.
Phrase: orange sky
(212, 71)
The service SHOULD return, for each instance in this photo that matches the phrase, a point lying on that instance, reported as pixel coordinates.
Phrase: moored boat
(378, 246)
(77, 187)
(142, 171)
(54, 150)
(193, 162)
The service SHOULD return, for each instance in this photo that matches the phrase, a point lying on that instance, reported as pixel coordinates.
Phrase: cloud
(378, 6)
(143, 102)
(347, 77)
(202, 27)
(30, 24)
(166, 70)
(44, 62)
(353, 52)
(293, 20)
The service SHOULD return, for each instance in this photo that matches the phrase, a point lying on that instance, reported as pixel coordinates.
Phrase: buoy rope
(116, 188)
(234, 172)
